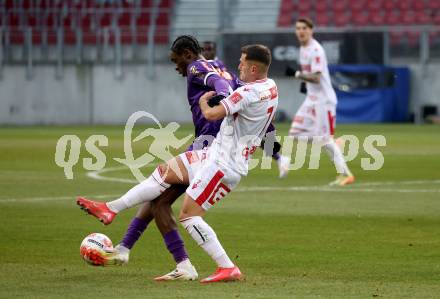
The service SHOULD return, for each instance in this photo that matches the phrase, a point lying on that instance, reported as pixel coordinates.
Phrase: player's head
(304, 30)
(254, 62)
(209, 50)
(184, 50)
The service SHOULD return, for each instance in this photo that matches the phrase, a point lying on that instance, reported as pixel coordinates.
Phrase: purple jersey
(223, 70)
(199, 72)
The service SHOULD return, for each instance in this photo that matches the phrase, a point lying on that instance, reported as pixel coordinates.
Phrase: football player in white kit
(213, 172)
(316, 116)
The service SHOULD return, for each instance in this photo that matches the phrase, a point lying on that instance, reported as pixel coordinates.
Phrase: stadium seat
(89, 15)
(404, 5)
(407, 18)
(339, 6)
(342, 19)
(376, 18)
(357, 6)
(419, 5)
(422, 18)
(304, 7)
(322, 19)
(321, 6)
(389, 5)
(360, 19)
(374, 5)
(434, 5)
(392, 18)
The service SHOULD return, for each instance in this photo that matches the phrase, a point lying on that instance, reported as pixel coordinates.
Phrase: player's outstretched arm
(211, 113)
(312, 78)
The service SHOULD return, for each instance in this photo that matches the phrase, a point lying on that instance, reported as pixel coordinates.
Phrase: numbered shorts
(209, 182)
(314, 119)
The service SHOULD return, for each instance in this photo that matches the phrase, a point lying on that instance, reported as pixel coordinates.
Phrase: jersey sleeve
(239, 100)
(317, 63)
(199, 71)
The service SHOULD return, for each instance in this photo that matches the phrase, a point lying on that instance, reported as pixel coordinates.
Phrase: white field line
(358, 187)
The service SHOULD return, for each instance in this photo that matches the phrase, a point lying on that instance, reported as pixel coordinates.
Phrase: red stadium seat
(392, 18)
(321, 6)
(389, 5)
(407, 18)
(404, 5)
(376, 18)
(419, 5)
(304, 7)
(423, 18)
(342, 19)
(285, 20)
(374, 5)
(339, 6)
(322, 19)
(434, 5)
(357, 6)
(360, 19)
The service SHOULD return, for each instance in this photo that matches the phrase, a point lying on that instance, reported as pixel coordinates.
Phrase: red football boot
(97, 209)
(223, 274)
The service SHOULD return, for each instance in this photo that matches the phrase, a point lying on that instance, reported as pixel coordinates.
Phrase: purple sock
(134, 231)
(175, 245)
(276, 156)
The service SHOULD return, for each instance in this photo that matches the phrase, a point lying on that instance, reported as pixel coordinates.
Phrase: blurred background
(97, 61)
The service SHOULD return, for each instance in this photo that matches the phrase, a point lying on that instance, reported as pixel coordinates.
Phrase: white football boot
(184, 271)
(119, 256)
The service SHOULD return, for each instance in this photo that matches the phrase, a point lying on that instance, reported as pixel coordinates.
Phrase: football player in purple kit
(202, 77)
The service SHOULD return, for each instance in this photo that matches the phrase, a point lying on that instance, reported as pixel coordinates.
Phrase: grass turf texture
(361, 241)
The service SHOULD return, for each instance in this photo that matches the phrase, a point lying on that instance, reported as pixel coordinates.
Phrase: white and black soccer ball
(94, 249)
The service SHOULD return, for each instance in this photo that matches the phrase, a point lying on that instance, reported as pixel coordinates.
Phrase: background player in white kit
(317, 115)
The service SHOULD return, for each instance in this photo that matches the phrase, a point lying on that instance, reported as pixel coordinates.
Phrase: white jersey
(312, 59)
(249, 111)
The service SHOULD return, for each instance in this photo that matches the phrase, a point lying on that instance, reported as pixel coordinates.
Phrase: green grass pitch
(292, 238)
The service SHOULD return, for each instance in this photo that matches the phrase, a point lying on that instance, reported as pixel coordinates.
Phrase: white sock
(336, 156)
(186, 263)
(148, 190)
(205, 236)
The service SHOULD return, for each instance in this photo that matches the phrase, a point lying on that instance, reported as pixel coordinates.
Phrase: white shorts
(209, 182)
(314, 119)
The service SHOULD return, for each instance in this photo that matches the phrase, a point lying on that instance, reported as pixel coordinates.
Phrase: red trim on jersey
(210, 188)
(331, 121)
(228, 111)
(273, 92)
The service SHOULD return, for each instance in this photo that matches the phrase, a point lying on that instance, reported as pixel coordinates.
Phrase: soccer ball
(94, 249)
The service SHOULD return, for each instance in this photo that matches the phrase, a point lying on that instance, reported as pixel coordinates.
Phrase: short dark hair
(306, 21)
(259, 53)
(186, 42)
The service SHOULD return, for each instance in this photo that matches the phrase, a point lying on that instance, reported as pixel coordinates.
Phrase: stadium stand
(87, 20)
(361, 12)
(352, 13)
